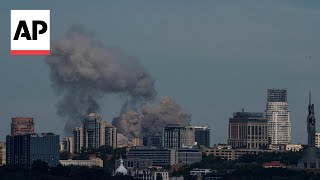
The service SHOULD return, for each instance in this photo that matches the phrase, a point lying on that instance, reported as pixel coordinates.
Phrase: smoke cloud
(83, 71)
(152, 119)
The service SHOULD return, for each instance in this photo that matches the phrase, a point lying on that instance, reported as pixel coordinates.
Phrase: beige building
(293, 147)
(78, 136)
(317, 139)
(176, 136)
(89, 163)
(2, 154)
(67, 144)
(248, 130)
(22, 125)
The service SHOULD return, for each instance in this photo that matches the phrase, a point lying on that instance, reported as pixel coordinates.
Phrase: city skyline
(227, 67)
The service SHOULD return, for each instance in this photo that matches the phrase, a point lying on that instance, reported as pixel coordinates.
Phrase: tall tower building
(67, 144)
(93, 133)
(78, 139)
(278, 115)
(91, 129)
(22, 125)
(248, 130)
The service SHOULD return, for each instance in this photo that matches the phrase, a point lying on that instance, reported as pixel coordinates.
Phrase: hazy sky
(213, 57)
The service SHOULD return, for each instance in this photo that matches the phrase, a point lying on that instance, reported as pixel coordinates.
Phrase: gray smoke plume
(152, 119)
(128, 124)
(83, 71)
(167, 112)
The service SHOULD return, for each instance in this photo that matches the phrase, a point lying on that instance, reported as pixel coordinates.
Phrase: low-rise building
(158, 156)
(231, 154)
(89, 163)
(164, 156)
(135, 163)
(150, 173)
(187, 156)
(177, 178)
(200, 172)
(293, 147)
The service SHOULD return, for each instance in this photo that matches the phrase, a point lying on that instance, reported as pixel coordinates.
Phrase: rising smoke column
(83, 71)
(167, 112)
(152, 119)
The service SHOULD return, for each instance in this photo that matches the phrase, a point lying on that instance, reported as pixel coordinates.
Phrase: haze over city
(213, 58)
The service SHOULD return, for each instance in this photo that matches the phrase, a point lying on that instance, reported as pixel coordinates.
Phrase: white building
(93, 162)
(163, 174)
(200, 172)
(317, 139)
(293, 147)
(121, 170)
(278, 115)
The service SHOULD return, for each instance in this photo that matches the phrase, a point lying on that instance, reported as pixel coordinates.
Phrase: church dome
(121, 169)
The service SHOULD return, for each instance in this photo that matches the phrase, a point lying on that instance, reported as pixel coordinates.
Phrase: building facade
(23, 150)
(155, 140)
(22, 125)
(187, 156)
(248, 130)
(202, 135)
(158, 156)
(67, 144)
(163, 156)
(89, 163)
(175, 136)
(232, 154)
(2, 154)
(278, 115)
(317, 139)
(78, 137)
(93, 133)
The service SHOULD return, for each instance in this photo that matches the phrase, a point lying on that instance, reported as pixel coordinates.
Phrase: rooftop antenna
(309, 97)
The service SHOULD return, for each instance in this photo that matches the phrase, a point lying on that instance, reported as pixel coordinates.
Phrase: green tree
(159, 177)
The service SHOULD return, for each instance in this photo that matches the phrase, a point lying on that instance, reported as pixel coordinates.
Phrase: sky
(213, 57)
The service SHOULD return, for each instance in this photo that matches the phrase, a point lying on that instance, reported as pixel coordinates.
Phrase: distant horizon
(213, 58)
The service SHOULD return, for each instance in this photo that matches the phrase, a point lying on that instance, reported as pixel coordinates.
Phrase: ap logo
(30, 32)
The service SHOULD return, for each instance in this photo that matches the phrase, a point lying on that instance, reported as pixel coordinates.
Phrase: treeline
(249, 167)
(40, 171)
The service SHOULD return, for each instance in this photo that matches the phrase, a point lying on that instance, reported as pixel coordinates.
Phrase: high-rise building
(248, 130)
(175, 136)
(78, 137)
(93, 133)
(92, 126)
(67, 144)
(278, 115)
(2, 154)
(111, 136)
(202, 135)
(22, 125)
(23, 150)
